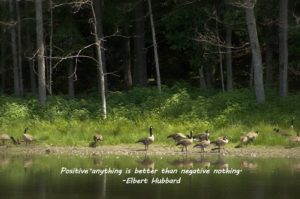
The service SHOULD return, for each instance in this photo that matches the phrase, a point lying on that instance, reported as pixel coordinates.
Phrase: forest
(70, 68)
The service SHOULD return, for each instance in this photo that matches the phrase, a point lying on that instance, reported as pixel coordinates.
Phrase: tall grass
(177, 109)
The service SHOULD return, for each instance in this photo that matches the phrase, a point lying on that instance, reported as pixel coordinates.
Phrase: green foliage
(180, 109)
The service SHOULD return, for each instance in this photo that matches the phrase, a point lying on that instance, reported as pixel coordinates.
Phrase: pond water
(84, 177)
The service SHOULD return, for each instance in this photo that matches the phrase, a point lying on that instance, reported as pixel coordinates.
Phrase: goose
(295, 139)
(177, 136)
(98, 137)
(4, 137)
(202, 136)
(27, 137)
(15, 141)
(283, 133)
(93, 144)
(252, 135)
(203, 144)
(292, 123)
(220, 142)
(246, 139)
(186, 142)
(148, 140)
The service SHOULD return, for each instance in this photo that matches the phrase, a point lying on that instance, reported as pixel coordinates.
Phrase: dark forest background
(227, 66)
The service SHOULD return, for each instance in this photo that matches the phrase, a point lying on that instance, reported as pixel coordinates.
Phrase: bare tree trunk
(31, 62)
(220, 55)
(256, 55)
(209, 76)
(20, 66)
(202, 78)
(229, 58)
(50, 49)
(41, 51)
(32, 77)
(140, 68)
(269, 64)
(127, 65)
(71, 91)
(158, 80)
(251, 75)
(283, 48)
(12, 4)
(2, 64)
(98, 10)
(101, 74)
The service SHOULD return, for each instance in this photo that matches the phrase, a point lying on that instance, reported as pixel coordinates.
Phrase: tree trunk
(2, 64)
(202, 78)
(12, 4)
(101, 74)
(283, 48)
(209, 76)
(256, 55)
(229, 59)
(20, 66)
(71, 91)
(220, 55)
(30, 52)
(140, 69)
(158, 80)
(40, 52)
(251, 75)
(269, 64)
(49, 72)
(127, 65)
(98, 10)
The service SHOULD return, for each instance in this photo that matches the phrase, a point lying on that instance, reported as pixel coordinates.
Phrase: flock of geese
(185, 141)
(200, 140)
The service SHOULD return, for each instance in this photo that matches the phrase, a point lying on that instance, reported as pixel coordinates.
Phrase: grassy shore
(64, 122)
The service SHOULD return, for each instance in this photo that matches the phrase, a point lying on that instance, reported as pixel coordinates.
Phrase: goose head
(151, 131)
(25, 130)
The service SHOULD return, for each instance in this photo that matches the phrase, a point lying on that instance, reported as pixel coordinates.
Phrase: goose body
(246, 139)
(15, 141)
(295, 139)
(202, 136)
(27, 137)
(252, 135)
(4, 137)
(186, 142)
(98, 137)
(220, 142)
(203, 144)
(148, 140)
(292, 123)
(177, 136)
(280, 132)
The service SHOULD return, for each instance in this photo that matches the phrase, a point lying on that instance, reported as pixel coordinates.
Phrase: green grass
(178, 109)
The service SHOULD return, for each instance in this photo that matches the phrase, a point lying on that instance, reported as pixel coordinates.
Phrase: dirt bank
(251, 151)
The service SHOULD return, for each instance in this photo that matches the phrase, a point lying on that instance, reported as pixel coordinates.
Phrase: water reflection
(39, 177)
(220, 163)
(202, 162)
(249, 165)
(183, 162)
(4, 162)
(295, 166)
(146, 162)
